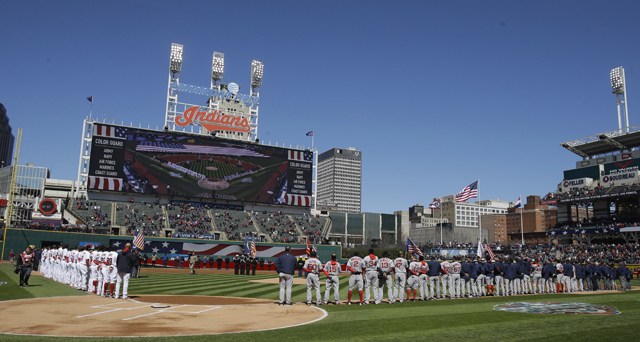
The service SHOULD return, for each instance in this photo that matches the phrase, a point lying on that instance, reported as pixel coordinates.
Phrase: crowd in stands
(94, 214)
(187, 219)
(311, 227)
(279, 226)
(234, 223)
(148, 217)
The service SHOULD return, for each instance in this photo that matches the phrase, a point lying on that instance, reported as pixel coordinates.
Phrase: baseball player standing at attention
(414, 279)
(286, 266)
(400, 266)
(454, 278)
(432, 277)
(537, 285)
(312, 266)
(331, 270)
(489, 275)
(123, 264)
(371, 277)
(445, 266)
(355, 266)
(559, 277)
(498, 271)
(385, 265)
(423, 278)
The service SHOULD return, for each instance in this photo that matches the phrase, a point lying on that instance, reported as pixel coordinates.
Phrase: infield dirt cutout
(93, 316)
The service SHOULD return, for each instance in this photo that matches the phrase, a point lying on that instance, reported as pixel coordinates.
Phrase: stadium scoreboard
(164, 163)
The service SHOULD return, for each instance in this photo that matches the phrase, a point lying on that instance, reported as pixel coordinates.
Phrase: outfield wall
(18, 239)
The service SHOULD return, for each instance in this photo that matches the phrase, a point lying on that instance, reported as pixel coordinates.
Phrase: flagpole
(521, 223)
(441, 204)
(479, 211)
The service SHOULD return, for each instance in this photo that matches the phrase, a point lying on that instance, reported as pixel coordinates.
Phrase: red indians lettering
(213, 121)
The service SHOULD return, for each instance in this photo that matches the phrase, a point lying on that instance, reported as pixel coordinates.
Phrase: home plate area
(93, 316)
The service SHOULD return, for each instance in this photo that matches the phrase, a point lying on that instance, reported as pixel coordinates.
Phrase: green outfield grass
(457, 320)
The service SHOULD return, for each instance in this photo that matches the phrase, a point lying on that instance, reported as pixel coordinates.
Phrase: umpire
(286, 266)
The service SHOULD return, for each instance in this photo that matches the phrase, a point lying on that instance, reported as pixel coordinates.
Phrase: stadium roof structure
(606, 142)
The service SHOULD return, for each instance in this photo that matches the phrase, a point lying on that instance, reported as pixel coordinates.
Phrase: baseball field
(166, 303)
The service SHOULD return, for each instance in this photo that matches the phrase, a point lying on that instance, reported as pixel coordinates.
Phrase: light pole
(619, 89)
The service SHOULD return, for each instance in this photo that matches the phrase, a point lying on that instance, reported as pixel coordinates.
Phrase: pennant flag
(246, 248)
(138, 240)
(435, 204)
(311, 133)
(412, 248)
(90, 99)
(469, 191)
(518, 203)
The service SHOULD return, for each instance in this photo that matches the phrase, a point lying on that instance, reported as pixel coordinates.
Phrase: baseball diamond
(170, 302)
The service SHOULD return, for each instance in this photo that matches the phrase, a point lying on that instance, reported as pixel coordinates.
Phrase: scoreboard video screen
(131, 160)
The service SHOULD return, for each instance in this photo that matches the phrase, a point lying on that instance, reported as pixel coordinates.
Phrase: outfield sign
(197, 167)
(569, 185)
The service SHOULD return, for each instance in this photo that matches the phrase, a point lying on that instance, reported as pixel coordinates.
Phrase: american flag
(138, 240)
(469, 191)
(412, 248)
(252, 249)
(435, 204)
(488, 249)
(301, 155)
(108, 131)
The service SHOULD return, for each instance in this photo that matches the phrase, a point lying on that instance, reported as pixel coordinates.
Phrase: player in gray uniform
(538, 282)
(423, 279)
(385, 265)
(414, 279)
(313, 266)
(355, 266)
(371, 277)
(454, 278)
(445, 267)
(332, 270)
(400, 266)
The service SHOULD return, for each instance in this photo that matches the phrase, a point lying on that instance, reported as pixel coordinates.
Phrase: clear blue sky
(436, 94)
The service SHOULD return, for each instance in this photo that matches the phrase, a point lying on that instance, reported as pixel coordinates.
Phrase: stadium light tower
(619, 89)
(175, 66)
(257, 71)
(217, 68)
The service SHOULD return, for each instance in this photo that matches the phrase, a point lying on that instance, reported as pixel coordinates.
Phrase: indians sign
(215, 120)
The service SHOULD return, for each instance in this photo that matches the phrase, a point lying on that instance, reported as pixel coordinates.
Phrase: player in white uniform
(445, 266)
(102, 257)
(400, 266)
(454, 278)
(332, 269)
(110, 273)
(423, 279)
(385, 266)
(312, 266)
(355, 266)
(83, 267)
(93, 272)
(414, 281)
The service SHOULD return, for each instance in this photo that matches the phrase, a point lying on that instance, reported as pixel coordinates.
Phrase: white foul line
(112, 310)
(151, 313)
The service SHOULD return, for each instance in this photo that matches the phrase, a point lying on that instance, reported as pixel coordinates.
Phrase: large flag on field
(435, 204)
(138, 240)
(518, 203)
(468, 192)
(412, 248)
